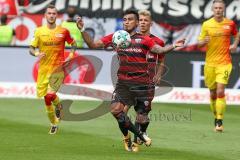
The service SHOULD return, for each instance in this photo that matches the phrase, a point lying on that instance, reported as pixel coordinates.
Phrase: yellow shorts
(49, 83)
(218, 74)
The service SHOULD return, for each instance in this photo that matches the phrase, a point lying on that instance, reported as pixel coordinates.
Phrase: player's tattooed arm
(35, 53)
(90, 42)
(233, 47)
(163, 50)
(160, 72)
(86, 37)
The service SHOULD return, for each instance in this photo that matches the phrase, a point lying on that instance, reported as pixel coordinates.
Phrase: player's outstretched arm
(86, 37)
(163, 50)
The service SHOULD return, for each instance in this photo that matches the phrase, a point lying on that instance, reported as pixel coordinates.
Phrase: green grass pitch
(179, 132)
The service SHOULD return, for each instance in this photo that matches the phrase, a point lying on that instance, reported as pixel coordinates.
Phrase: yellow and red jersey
(52, 43)
(220, 33)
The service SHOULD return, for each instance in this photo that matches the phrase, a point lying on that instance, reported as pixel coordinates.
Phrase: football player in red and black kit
(155, 67)
(131, 84)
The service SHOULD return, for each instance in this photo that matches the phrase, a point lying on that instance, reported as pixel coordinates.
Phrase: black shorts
(137, 95)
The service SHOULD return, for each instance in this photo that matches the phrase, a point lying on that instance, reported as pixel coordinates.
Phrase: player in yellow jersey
(216, 36)
(50, 40)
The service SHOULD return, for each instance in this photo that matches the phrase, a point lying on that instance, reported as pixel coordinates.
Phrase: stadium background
(23, 124)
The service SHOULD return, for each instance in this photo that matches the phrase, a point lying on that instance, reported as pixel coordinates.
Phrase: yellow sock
(220, 107)
(51, 114)
(213, 107)
(56, 101)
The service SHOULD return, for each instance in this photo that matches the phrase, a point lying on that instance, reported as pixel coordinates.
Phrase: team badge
(146, 103)
(138, 40)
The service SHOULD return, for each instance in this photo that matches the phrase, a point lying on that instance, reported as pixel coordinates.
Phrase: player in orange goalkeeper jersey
(50, 40)
(216, 36)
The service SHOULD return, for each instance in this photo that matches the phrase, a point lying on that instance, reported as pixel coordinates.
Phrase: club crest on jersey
(146, 103)
(150, 56)
(138, 40)
(59, 35)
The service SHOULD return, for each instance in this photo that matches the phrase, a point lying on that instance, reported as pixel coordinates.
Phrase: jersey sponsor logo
(51, 43)
(135, 50)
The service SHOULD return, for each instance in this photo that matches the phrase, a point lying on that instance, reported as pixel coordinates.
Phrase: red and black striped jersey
(133, 61)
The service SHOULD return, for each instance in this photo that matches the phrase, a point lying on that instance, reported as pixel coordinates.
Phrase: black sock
(137, 125)
(219, 122)
(122, 123)
(125, 124)
(144, 126)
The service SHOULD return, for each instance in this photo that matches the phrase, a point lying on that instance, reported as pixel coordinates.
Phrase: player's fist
(41, 55)
(80, 23)
(179, 43)
(207, 40)
(233, 48)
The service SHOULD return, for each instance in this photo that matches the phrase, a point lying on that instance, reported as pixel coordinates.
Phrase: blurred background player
(216, 35)
(155, 65)
(50, 40)
(70, 24)
(7, 32)
(132, 73)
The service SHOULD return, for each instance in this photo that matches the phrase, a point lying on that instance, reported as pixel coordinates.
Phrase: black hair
(131, 11)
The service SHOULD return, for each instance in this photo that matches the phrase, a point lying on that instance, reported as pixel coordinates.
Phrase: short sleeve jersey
(52, 43)
(218, 53)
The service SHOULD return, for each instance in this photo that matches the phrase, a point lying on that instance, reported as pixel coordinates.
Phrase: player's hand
(41, 55)
(179, 43)
(206, 40)
(233, 48)
(202, 43)
(80, 23)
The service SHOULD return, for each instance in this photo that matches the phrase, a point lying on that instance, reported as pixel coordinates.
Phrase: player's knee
(213, 95)
(142, 118)
(116, 108)
(220, 94)
(49, 98)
